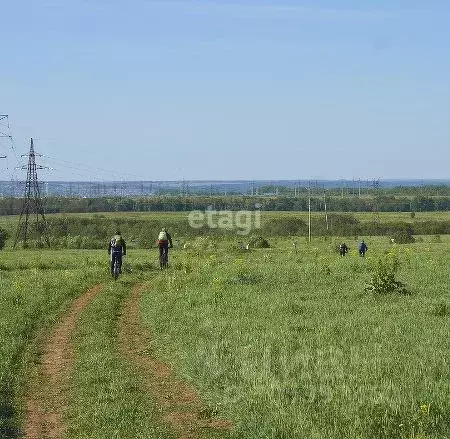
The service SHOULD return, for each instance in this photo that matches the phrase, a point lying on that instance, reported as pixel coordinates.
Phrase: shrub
(436, 238)
(343, 225)
(285, 226)
(441, 309)
(259, 242)
(3, 236)
(403, 236)
(383, 276)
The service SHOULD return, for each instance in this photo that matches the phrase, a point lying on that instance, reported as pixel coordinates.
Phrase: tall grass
(35, 287)
(291, 346)
(285, 344)
(108, 400)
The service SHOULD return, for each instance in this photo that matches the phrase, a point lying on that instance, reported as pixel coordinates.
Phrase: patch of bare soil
(179, 404)
(47, 394)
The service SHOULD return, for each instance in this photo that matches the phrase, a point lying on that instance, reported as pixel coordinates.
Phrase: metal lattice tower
(376, 211)
(7, 151)
(32, 205)
(4, 130)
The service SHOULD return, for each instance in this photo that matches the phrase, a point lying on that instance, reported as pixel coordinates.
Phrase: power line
(94, 169)
(32, 204)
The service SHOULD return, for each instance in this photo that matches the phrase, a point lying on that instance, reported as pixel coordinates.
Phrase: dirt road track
(47, 394)
(181, 408)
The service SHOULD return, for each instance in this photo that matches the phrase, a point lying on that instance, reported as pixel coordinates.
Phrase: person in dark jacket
(362, 248)
(164, 242)
(117, 248)
(343, 249)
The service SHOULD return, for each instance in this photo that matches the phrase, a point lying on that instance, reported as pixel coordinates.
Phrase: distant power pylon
(4, 127)
(4, 130)
(376, 214)
(184, 188)
(32, 205)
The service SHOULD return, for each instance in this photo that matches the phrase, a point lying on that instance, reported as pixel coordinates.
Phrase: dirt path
(180, 406)
(47, 396)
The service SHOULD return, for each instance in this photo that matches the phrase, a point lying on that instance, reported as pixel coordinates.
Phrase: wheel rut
(180, 406)
(48, 392)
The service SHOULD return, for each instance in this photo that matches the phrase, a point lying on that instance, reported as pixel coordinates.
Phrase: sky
(250, 89)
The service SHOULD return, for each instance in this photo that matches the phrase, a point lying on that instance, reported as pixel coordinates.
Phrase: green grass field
(284, 344)
(289, 345)
(35, 288)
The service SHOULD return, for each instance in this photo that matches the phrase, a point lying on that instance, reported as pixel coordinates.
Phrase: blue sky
(247, 89)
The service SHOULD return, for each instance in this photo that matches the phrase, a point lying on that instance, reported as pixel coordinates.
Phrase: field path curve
(47, 395)
(179, 404)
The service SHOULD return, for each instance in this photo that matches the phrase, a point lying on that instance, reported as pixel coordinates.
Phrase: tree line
(94, 231)
(379, 203)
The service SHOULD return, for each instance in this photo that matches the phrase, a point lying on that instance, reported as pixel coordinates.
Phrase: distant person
(164, 242)
(343, 249)
(117, 248)
(362, 248)
(294, 245)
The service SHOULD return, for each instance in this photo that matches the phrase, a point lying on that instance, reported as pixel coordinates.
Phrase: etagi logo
(243, 221)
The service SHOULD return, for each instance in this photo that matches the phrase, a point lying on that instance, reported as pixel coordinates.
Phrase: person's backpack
(116, 242)
(162, 236)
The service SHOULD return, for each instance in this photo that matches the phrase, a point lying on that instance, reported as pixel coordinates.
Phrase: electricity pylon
(32, 205)
(4, 130)
(376, 214)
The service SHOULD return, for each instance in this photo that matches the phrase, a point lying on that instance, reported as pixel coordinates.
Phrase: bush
(285, 226)
(342, 225)
(383, 276)
(441, 309)
(436, 238)
(3, 237)
(259, 242)
(403, 236)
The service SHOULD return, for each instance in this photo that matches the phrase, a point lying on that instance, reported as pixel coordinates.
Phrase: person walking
(117, 248)
(343, 249)
(362, 248)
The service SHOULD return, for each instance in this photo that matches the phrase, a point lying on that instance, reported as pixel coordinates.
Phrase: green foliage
(343, 225)
(441, 309)
(402, 233)
(93, 231)
(285, 344)
(34, 287)
(3, 237)
(429, 198)
(403, 237)
(259, 242)
(285, 226)
(436, 238)
(383, 279)
(105, 382)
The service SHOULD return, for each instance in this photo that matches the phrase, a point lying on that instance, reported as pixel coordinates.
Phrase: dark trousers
(163, 247)
(116, 256)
